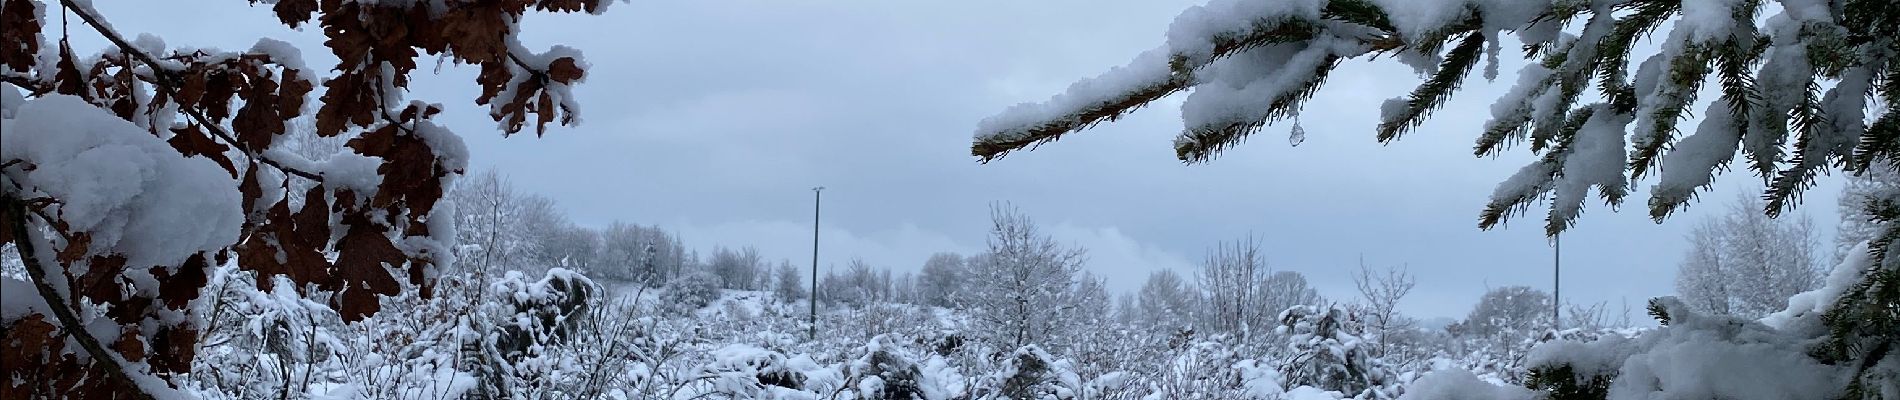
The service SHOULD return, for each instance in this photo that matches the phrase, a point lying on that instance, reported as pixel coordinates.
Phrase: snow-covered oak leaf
(565, 70)
(286, 246)
(101, 282)
(312, 222)
(293, 12)
(468, 32)
(411, 173)
(19, 24)
(592, 6)
(77, 245)
(66, 74)
(348, 100)
(364, 258)
(179, 288)
(29, 347)
(129, 345)
(250, 189)
(192, 141)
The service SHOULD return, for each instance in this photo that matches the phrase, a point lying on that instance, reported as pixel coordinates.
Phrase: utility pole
(817, 198)
(1556, 281)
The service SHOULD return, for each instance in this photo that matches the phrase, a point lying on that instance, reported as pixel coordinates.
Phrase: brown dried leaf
(101, 280)
(565, 70)
(493, 79)
(77, 243)
(364, 257)
(173, 348)
(19, 26)
(192, 90)
(313, 220)
(568, 5)
(291, 93)
(349, 99)
(192, 141)
(179, 288)
(473, 33)
(220, 86)
(251, 189)
(293, 12)
(129, 345)
(66, 74)
(258, 122)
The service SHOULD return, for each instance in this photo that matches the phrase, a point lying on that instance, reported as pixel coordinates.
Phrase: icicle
(1299, 133)
(1491, 50)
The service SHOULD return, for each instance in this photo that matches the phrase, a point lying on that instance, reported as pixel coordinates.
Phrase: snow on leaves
(144, 166)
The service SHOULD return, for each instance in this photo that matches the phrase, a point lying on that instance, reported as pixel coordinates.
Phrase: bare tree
(1230, 276)
(1746, 264)
(1028, 282)
(1382, 292)
(1283, 290)
(1879, 182)
(487, 217)
(736, 269)
(941, 280)
(791, 282)
(1165, 302)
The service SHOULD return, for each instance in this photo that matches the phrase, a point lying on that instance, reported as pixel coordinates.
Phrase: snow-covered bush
(1788, 354)
(1328, 354)
(690, 291)
(1030, 373)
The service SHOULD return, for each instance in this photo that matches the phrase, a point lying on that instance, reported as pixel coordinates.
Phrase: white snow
(129, 190)
(1707, 20)
(1193, 32)
(1693, 163)
(1811, 304)
(1148, 69)
(1597, 159)
(10, 100)
(1459, 384)
(1243, 87)
(1417, 18)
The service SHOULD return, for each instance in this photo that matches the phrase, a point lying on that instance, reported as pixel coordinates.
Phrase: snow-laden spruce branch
(1251, 63)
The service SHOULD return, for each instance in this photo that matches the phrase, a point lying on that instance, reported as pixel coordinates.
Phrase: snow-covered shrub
(545, 311)
(1030, 373)
(747, 371)
(1693, 356)
(1781, 356)
(1327, 354)
(690, 291)
(885, 372)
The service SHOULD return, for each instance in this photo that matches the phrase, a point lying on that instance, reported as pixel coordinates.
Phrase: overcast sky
(714, 118)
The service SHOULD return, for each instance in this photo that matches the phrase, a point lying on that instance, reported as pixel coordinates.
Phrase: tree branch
(169, 84)
(23, 240)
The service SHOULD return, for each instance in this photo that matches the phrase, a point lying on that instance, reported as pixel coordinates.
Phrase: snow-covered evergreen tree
(1793, 84)
(1328, 353)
